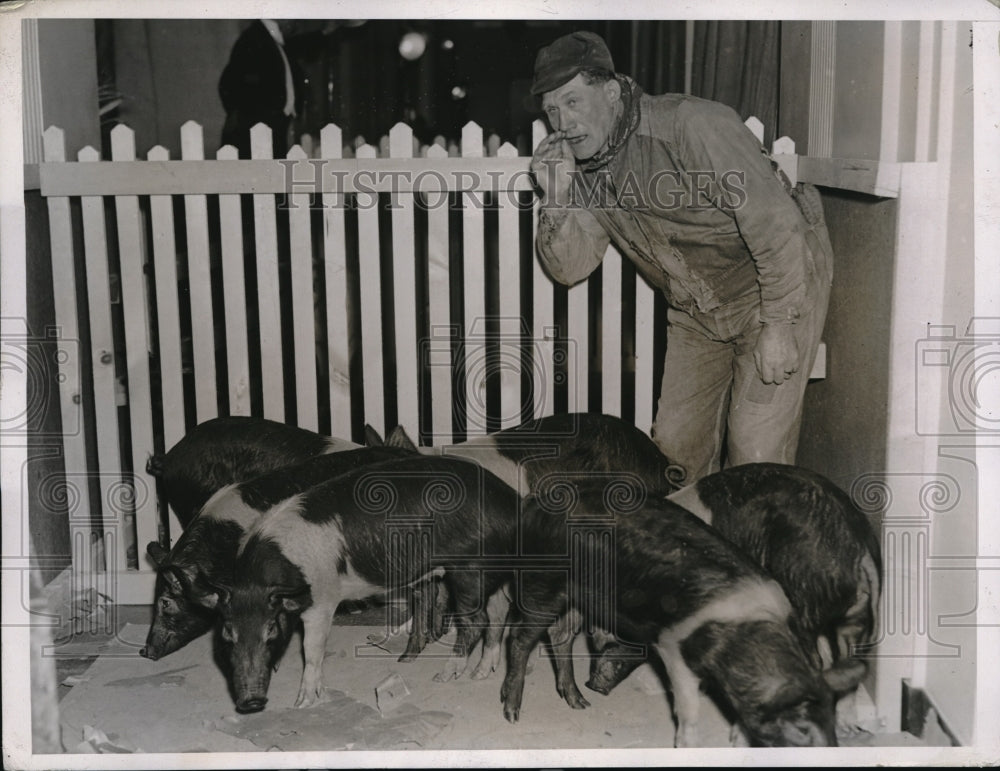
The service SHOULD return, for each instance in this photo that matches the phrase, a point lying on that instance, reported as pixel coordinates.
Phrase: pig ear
(175, 577)
(399, 438)
(844, 676)
(372, 437)
(292, 598)
(157, 553)
(214, 595)
(802, 732)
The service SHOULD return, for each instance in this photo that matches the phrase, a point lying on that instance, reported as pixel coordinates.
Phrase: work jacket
(695, 202)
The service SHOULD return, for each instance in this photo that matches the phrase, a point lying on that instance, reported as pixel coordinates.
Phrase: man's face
(586, 113)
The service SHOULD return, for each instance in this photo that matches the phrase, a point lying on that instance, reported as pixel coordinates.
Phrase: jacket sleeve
(570, 243)
(713, 139)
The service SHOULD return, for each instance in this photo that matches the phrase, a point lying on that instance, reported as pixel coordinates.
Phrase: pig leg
(466, 591)
(421, 614)
(685, 686)
(316, 622)
(439, 610)
(561, 636)
(523, 639)
(496, 610)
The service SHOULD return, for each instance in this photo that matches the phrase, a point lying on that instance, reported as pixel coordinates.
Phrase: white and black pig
(206, 550)
(231, 449)
(563, 446)
(806, 533)
(665, 579)
(339, 541)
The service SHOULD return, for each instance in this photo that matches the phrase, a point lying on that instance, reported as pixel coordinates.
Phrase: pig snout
(610, 667)
(253, 704)
(148, 652)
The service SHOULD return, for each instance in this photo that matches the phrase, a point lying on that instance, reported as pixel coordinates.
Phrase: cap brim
(554, 79)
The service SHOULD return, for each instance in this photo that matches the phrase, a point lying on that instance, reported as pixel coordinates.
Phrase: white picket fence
(488, 347)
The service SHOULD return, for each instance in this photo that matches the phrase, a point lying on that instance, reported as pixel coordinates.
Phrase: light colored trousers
(712, 396)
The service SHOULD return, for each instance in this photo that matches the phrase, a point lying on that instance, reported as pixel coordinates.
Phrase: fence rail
(397, 286)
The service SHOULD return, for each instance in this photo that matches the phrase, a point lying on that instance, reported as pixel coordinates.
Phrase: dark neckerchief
(627, 122)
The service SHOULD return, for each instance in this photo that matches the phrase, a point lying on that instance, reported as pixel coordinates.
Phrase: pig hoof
(737, 738)
(686, 737)
(481, 673)
(407, 657)
(511, 714)
(576, 700)
(308, 699)
(446, 676)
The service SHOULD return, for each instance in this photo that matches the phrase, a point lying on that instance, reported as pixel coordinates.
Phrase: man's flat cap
(563, 59)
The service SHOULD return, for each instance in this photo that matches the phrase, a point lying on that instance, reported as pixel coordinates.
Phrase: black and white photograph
(542, 384)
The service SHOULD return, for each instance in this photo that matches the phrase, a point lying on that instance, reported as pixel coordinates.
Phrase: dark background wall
(166, 72)
(844, 417)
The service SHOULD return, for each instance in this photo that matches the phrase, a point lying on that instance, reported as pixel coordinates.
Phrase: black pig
(805, 532)
(344, 539)
(660, 577)
(231, 449)
(206, 550)
(564, 446)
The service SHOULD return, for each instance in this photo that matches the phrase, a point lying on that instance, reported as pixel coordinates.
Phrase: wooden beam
(305, 175)
(862, 176)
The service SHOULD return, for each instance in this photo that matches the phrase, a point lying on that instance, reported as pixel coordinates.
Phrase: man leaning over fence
(687, 193)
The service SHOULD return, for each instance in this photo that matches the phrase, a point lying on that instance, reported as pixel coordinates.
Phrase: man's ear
(613, 89)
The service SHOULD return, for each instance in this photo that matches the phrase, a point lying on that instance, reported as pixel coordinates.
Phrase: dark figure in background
(262, 83)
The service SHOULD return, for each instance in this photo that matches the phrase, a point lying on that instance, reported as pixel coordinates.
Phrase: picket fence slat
(69, 362)
(335, 275)
(303, 312)
(438, 349)
(474, 273)
(234, 299)
(137, 346)
(404, 290)
(369, 269)
(611, 333)
(644, 305)
(268, 292)
(509, 249)
(102, 347)
(168, 323)
(200, 284)
(577, 345)
(543, 302)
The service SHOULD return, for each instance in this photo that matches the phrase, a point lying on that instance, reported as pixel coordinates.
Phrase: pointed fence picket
(199, 282)
(423, 263)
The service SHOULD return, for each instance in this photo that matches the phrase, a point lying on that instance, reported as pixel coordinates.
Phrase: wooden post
(303, 305)
(335, 265)
(200, 284)
(234, 299)
(438, 349)
(544, 313)
(135, 310)
(371, 303)
(404, 290)
(268, 296)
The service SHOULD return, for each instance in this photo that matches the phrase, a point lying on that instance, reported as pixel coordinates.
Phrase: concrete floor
(120, 702)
